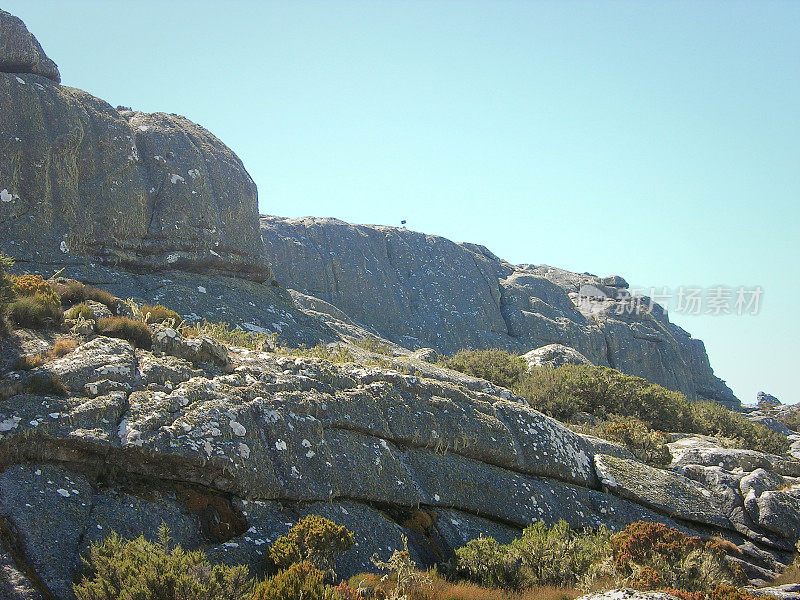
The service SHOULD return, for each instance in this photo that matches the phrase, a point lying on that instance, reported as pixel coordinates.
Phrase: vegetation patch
(139, 569)
(313, 539)
(80, 311)
(161, 314)
(571, 390)
(136, 332)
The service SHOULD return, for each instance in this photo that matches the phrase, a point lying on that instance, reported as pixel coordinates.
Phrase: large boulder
(20, 52)
(555, 355)
(145, 191)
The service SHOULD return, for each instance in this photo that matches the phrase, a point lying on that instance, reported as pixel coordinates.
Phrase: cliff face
(126, 188)
(425, 291)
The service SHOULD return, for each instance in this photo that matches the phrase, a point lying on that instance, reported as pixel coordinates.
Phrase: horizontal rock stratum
(231, 451)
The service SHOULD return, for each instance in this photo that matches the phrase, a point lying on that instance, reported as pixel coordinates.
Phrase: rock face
(425, 291)
(20, 52)
(232, 446)
(144, 191)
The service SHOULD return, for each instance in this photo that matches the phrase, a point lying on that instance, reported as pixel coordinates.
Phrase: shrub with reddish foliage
(652, 555)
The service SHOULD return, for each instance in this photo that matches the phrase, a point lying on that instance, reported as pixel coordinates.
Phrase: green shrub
(498, 366)
(35, 311)
(6, 288)
(136, 332)
(80, 311)
(70, 292)
(101, 296)
(607, 394)
(372, 344)
(653, 556)
(300, 581)
(313, 539)
(161, 314)
(45, 384)
(230, 336)
(710, 418)
(646, 444)
(117, 569)
(543, 556)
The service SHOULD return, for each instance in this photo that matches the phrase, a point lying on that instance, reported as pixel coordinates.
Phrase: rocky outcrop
(425, 291)
(231, 447)
(20, 52)
(555, 355)
(143, 191)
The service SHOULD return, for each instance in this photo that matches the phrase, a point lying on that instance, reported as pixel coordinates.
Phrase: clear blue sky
(657, 140)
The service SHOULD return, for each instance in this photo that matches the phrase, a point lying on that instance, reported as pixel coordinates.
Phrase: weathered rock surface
(146, 191)
(20, 52)
(555, 355)
(230, 455)
(425, 291)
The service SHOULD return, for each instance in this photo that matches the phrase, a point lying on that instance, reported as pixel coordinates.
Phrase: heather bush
(301, 580)
(645, 443)
(230, 336)
(118, 569)
(372, 344)
(62, 347)
(498, 366)
(161, 314)
(313, 539)
(653, 556)
(45, 384)
(136, 332)
(35, 311)
(609, 394)
(542, 556)
(80, 311)
(74, 292)
(34, 285)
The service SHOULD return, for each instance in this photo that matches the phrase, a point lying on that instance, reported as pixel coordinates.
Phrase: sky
(655, 140)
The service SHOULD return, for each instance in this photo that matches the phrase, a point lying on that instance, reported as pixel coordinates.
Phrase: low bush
(35, 311)
(300, 581)
(62, 347)
(498, 366)
(29, 362)
(607, 394)
(45, 384)
(80, 311)
(138, 569)
(313, 539)
(710, 418)
(136, 332)
(101, 296)
(230, 336)
(372, 344)
(74, 292)
(543, 556)
(645, 443)
(161, 314)
(34, 285)
(653, 556)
